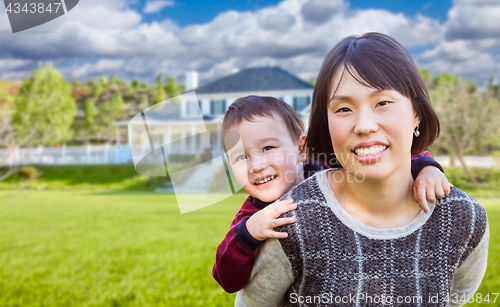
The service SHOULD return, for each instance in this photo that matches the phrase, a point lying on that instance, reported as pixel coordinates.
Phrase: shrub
(27, 172)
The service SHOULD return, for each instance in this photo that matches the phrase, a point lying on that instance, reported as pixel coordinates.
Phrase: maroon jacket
(234, 262)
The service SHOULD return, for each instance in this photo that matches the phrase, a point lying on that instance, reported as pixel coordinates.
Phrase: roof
(168, 113)
(255, 80)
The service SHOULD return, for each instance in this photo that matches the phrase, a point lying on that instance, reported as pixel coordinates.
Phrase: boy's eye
(268, 148)
(343, 110)
(383, 103)
(239, 158)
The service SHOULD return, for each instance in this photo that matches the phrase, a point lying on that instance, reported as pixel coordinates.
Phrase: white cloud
(154, 6)
(319, 11)
(294, 34)
(476, 2)
(457, 50)
(102, 67)
(14, 64)
(471, 40)
(479, 68)
(474, 20)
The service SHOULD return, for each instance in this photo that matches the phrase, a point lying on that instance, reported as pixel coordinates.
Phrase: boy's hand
(261, 224)
(430, 183)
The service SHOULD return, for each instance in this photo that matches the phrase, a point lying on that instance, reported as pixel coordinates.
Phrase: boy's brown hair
(249, 107)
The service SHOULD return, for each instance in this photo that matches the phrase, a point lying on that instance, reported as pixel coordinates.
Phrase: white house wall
(205, 106)
(183, 108)
(205, 99)
(288, 100)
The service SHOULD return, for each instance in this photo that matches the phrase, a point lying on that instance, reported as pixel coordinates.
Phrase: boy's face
(268, 153)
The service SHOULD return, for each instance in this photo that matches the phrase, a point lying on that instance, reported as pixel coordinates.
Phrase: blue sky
(141, 38)
(190, 11)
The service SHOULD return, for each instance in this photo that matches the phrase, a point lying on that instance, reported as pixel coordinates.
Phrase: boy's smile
(269, 164)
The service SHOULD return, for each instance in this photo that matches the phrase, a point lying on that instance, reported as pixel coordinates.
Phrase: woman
(360, 239)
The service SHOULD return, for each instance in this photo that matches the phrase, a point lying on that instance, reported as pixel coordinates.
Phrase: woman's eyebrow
(342, 98)
(349, 98)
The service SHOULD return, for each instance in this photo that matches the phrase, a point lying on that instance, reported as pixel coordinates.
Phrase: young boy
(270, 163)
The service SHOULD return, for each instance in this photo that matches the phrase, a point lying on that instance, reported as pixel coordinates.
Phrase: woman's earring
(416, 132)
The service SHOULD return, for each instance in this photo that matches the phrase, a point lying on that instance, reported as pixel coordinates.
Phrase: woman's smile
(369, 151)
(371, 154)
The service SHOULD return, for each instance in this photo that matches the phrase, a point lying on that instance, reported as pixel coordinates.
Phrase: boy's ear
(302, 148)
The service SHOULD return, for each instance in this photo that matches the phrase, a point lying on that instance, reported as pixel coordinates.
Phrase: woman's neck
(387, 203)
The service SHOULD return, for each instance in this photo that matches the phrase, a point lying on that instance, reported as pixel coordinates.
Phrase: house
(175, 123)
(215, 97)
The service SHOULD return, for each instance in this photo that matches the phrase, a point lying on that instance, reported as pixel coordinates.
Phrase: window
(299, 103)
(218, 107)
(192, 108)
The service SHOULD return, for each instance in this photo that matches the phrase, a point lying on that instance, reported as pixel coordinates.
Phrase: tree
(90, 112)
(108, 112)
(171, 87)
(103, 81)
(428, 78)
(44, 108)
(467, 118)
(159, 79)
(135, 83)
(117, 110)
(9, 142)
(491, 141)
(159, 91)
(98, 89)
(160, 95)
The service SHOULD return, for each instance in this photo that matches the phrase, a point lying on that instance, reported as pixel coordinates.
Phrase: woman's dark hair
(377, 61)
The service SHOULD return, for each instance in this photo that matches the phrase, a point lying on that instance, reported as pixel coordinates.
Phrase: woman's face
(371, 130)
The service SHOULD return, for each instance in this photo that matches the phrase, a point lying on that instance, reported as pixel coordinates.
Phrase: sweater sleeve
(270, 279)
(469, 274)
(233, 262)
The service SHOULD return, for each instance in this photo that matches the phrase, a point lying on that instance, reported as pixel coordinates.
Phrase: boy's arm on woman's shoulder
(234, 262)
(421, 161)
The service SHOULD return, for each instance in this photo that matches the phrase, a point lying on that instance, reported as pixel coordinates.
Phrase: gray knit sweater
(331, 259)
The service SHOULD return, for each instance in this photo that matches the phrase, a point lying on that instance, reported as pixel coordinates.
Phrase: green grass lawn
(78, 248)
(109, 249)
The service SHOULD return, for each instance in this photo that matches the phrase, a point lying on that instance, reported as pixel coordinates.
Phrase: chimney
(191, 80)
